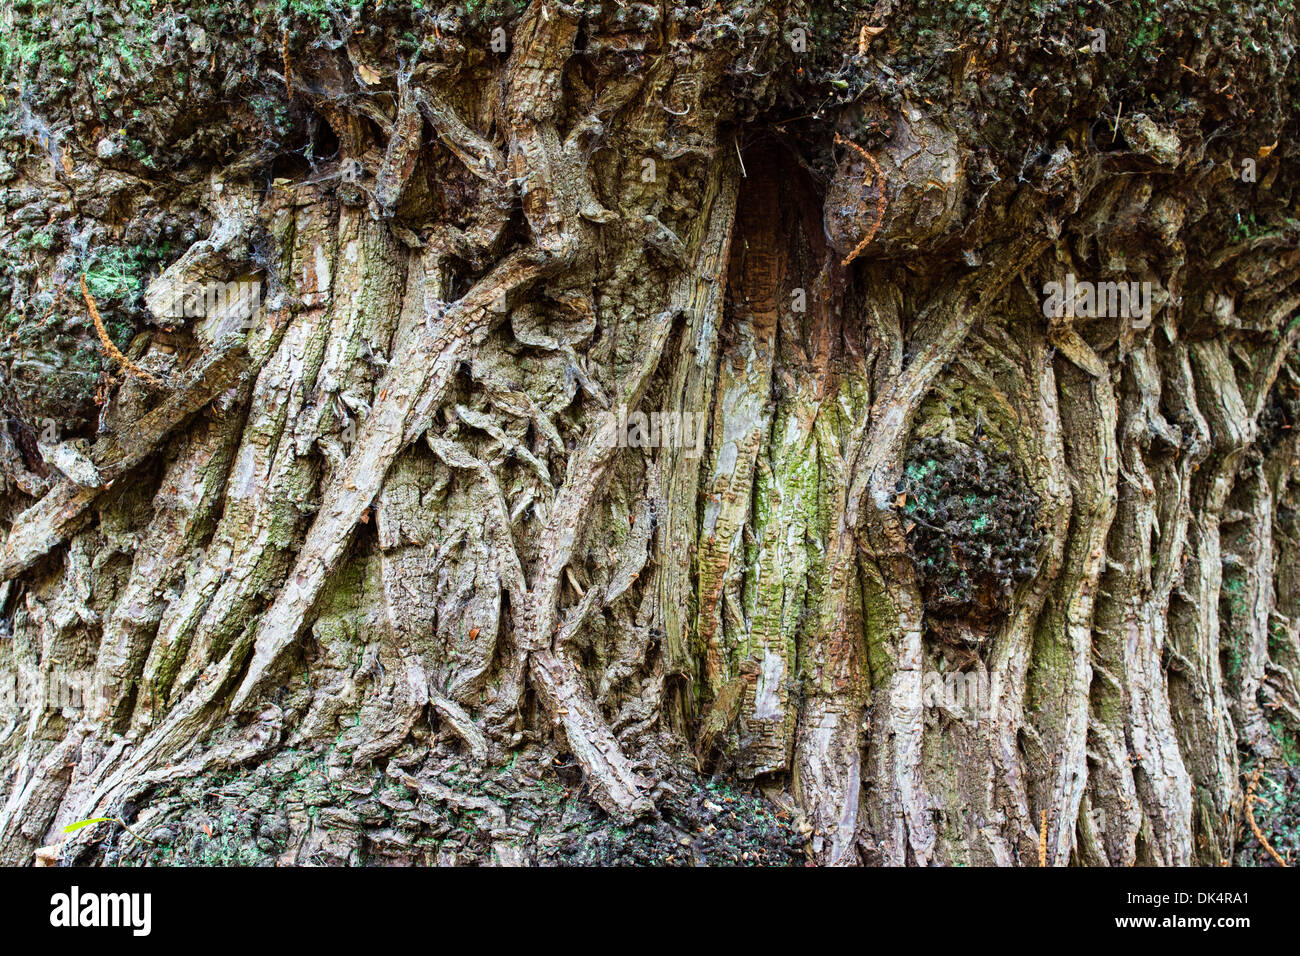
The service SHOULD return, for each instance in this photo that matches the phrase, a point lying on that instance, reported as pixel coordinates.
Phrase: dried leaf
(865, 37)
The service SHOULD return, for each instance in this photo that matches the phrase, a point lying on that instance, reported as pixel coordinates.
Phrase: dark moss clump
(972, 533)
(1277, 814)
(707, 825)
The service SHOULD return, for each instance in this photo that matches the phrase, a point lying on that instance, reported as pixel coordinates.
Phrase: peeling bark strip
(741, 416)
(380, 523)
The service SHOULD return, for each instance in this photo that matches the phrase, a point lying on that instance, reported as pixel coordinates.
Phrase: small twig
(284, 55)
(880, 200)
(107, 344)
(1250, 818)
(133, 833)
(568, 573)
(58, 297)
(1042, 841)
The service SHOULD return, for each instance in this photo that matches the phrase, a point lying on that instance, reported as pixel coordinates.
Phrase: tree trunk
(862, 433)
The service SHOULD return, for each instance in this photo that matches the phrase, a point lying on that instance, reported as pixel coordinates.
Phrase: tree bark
(650, 438)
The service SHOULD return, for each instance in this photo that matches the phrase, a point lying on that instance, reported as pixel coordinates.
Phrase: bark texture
(651, 440)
